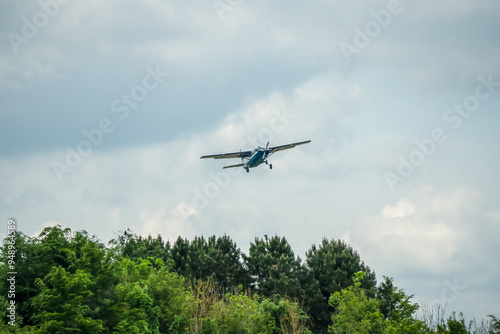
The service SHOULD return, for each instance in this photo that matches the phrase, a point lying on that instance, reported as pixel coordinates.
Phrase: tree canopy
(70, 282)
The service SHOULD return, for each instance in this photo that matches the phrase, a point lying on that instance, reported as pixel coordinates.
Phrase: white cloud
(402, 209)
(434, 234)
(426, 233)
(493, 215)
(169, 225)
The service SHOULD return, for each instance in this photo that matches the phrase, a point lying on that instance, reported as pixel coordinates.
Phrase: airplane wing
(244, 154)
(286, 147)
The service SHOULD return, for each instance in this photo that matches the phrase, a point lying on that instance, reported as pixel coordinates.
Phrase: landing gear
(270, 165)
(247, 169)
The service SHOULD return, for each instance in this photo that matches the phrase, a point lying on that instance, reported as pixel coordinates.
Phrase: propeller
(266, 152)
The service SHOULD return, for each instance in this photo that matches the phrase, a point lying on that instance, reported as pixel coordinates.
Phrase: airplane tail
(233, 166)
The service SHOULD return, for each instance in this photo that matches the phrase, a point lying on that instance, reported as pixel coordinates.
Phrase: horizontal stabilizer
(233, 166)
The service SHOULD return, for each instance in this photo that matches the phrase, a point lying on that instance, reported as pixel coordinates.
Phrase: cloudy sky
(106, 107)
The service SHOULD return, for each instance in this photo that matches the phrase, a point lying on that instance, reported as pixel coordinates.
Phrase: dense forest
(69, 282)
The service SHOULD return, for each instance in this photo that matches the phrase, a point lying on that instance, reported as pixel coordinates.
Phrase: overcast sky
(106, 107)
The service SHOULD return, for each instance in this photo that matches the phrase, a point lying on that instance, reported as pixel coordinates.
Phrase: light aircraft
(251, 159)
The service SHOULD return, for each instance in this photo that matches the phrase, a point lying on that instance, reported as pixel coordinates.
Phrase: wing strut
(233, 166)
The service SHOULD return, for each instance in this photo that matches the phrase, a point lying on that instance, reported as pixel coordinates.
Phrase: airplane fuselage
(258, 157)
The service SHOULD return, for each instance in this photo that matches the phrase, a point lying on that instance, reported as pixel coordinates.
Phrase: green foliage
(64, 303)
(287, 315)
(395, 304)
(453, 325)
(71, 283)
(224, 260)
(145, 300)
(390, 313)
(135, 247)
(180, 256)
(148, 300)
(332, 266)
(275, 268)
(209, 326)
(134, 309)
(436, 322)
(244, 313)
(171, 299)
(456, 326)
(354, 311)
(36, 257)
(179, 325)
(495, 324)
(216, 259)
(198, 268)
(240, 314)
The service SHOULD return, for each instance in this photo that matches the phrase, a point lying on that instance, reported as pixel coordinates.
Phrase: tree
(62, 304)
(453, 325)
(332, 266)
(395, 304)
(180, 256)
(69, 282)
(495, 324)
(132, 246)
(288, 315)
(143, 299)
(274, 268)
(237, 314)
(198, 260)
(25, 279)
(224, 261)
(53, 247)
(355, 312)
(398, 310)
(172, 300)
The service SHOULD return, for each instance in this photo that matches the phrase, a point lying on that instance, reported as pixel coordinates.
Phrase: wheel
(248, 170)
(271, 166)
